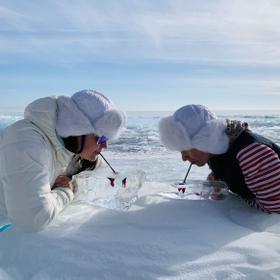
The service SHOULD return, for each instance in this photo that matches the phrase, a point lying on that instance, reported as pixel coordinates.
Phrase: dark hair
(74, 144)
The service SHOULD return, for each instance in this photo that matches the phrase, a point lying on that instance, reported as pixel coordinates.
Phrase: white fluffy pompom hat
(89, 112)
(194, 126)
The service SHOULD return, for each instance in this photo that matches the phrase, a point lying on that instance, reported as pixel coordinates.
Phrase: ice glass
(106, 189)
(201, 190)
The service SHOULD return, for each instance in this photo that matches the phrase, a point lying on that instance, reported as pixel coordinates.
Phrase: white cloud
(232, 31)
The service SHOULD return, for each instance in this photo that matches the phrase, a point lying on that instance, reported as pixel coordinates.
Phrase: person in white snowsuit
(37, 152)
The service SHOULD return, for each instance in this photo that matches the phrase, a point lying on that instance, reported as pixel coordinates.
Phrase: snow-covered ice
(157, 238)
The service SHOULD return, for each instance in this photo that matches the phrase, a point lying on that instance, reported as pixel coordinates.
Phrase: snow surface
(158, 238)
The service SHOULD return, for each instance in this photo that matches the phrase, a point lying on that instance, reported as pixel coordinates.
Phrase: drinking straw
(108, 164)
(184, 181)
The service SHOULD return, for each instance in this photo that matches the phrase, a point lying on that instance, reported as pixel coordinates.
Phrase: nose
(184, 157)
(187, 157)
(104, 145)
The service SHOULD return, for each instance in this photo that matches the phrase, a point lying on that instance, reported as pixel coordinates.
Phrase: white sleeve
(30, 202)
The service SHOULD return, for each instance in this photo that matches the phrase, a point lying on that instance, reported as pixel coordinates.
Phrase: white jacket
(31, 158)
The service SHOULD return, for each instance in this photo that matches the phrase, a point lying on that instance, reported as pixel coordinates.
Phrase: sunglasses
(102, 139)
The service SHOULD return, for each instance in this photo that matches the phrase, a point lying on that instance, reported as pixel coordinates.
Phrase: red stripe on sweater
(247, 150)
(260, 166)
(255, 152)
(254, 160)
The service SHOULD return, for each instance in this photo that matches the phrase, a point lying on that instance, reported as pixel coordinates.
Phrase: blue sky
(144, 55)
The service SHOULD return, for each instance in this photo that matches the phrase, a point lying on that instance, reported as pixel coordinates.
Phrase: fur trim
(173, 135)
(212, 137)
(235, 128)
(111, 124)
(71, 121)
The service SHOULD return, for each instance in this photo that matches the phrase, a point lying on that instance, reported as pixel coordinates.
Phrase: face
(92, 148)
(195, 156)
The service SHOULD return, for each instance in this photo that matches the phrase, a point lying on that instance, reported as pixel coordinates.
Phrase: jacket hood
(43, 113)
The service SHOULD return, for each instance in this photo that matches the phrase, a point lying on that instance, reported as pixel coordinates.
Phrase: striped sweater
(260, 166)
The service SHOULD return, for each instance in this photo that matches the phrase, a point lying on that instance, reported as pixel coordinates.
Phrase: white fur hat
(194, 126)
(88, 112)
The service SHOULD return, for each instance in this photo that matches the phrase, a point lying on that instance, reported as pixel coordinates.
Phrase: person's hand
(64, 182)
(211, 177)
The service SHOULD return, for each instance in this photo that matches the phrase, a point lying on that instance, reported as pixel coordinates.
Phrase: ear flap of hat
(110, 124)
(212, 138)
(173, 135)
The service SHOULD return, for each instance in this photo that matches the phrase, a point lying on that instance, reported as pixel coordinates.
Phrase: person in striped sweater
(249, 163)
